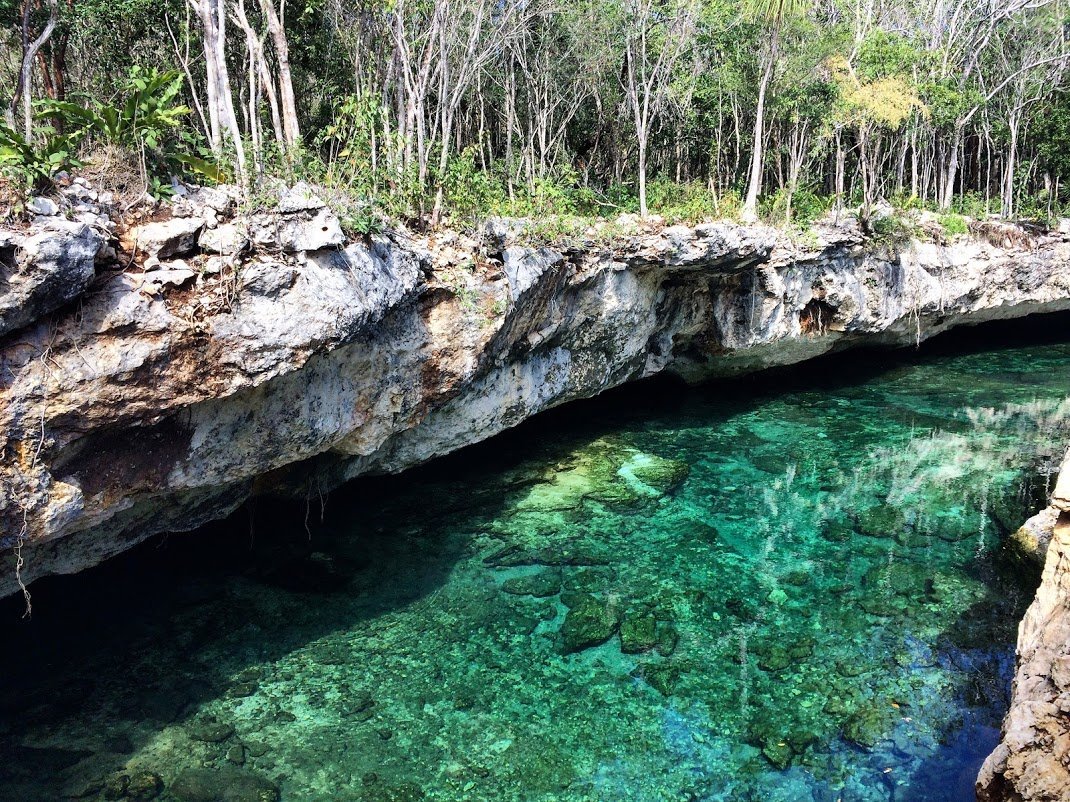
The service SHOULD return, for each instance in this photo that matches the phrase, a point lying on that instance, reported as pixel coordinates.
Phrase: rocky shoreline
(1032, 761)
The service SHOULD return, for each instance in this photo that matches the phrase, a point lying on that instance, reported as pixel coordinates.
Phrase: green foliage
(974, 204)
(1053, 137)
(362, 221)
(542, 123)
(471, 192)
(33, 164)
(564, 232)
(953, 224)
(145, 120)
(883, 54)
(681, 203)
(891, 230)
(146, 114)
(806, 207)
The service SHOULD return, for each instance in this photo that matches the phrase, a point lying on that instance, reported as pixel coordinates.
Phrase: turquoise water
(793, 589)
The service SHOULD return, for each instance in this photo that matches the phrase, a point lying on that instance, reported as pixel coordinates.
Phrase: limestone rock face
(304, 361)
(1032, 761)
(43, 270)
(174, 237)
(227, 239)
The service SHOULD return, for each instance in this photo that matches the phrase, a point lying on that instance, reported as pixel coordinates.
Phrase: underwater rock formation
(246, 365)
(1032, 762)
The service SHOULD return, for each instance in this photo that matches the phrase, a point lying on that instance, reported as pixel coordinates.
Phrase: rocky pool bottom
(794, 588)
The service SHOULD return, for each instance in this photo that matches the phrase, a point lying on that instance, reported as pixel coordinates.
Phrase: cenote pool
(788, 588)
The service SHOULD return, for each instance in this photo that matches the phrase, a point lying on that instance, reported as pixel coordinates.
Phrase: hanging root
(20, 563)
(20, 539)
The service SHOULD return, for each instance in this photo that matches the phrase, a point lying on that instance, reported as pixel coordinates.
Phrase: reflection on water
(787, 596)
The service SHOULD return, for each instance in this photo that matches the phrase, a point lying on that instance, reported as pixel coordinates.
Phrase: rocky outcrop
(273, 358)
(44, 269)
(1032, 761)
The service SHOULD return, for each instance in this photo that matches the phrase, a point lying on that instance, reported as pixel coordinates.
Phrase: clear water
(794, 589)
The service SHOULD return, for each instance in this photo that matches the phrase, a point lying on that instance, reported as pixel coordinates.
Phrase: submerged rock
(660, 474)
(212, 732)
(591, 621)
(638, 632)
(405, 792)
(884, 520)
(225, 784)
(869, 726)
(668, 638)
(662, 676)
(143, 786)
(902, 578)
(541, 585)
(779, 753)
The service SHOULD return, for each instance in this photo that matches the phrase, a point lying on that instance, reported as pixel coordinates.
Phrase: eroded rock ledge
(1032, 761)
(218, 355)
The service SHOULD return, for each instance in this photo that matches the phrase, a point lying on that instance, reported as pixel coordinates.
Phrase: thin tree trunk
(29, 54)
(754, 181)
(287, 101)
(952, 169)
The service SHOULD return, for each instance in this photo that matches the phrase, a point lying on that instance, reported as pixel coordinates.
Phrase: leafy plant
(33, 164)
(147, 121)
(363, 221)
(890, 230)
(953, 224)
(144, 117)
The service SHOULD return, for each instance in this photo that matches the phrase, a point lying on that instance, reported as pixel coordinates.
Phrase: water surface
(794, 589)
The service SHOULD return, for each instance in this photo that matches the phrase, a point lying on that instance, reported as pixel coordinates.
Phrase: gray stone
(222, 199)
(174, 237)
(308, 231)
(43, 206)
(299, 198)
(268, 278)
(41, 272)
(227, 239)
(170, 273)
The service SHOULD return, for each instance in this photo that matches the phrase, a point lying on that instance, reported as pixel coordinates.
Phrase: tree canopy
(462, 108)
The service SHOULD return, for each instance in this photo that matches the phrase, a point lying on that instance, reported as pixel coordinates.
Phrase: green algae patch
(605, 471)
(638, 632)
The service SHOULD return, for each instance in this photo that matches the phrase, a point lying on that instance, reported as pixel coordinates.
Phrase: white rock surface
(43, 206)
(174, 237)
(227, 239)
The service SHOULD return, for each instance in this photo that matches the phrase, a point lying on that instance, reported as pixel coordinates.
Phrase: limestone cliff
(221, 355)
(1032, 762)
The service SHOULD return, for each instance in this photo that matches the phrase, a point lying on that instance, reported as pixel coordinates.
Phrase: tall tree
(656, 35)
(773, 14)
